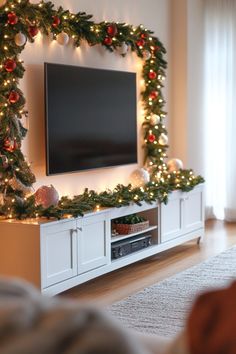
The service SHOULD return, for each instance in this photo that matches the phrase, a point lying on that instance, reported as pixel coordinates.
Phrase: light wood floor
(121, 283)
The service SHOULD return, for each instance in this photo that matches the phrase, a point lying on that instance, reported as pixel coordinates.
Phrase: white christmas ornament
(139, 177)
(63, 38)
(123, 49)
(155, 119)
(146, 55)
(174, 165)
(20, 39)
(163, 140)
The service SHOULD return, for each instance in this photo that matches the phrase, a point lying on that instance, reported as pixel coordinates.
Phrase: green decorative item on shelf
(129, 219)
(130, 224)
(20, 23)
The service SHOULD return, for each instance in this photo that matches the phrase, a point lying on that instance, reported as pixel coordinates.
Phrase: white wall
(195, 70)
(154, 14)
(186, 89)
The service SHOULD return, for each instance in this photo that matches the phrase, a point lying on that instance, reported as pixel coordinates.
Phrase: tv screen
(90, 118)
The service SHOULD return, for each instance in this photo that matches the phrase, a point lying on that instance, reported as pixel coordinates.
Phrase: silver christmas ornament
(139, 177)
(174, 165)
(63, 38)
(163, 139)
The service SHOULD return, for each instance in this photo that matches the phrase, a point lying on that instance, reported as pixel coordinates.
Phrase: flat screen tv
(90, 118)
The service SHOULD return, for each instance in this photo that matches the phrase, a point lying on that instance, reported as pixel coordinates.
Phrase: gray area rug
(163, 307)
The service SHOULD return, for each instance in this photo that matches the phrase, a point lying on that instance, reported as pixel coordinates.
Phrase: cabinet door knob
(79, 228)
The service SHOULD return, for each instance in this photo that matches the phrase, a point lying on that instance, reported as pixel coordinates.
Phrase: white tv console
(57, 255)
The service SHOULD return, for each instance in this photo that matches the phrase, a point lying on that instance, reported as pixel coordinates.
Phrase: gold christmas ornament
(155, 119)
(139, 177)
(20, 39)
(174, 165)
(63, 38)
(163, 139)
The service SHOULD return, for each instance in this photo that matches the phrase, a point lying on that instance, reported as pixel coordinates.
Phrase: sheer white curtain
(219, 107)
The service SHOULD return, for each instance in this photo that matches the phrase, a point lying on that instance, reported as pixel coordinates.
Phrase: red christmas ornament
(156, 48)
(56, 21)
(152, 75)
(12, 19)
(143, 35)
(33, 31)
(140, 42)
(107, 40)
(8, 145)
(151, 138)
(153, 95)
(112, 30)
(10, 65)
(13, 97)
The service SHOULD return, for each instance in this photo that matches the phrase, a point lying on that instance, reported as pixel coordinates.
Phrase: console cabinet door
(93, 242)
(58, 252)
(194, 209)
(172, 217)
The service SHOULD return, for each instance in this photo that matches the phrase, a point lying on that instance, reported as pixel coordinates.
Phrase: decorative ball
(10, 65)
(13, 97)
(107, 41)
(56, 21)
(33, 31)
(8, 145)
(140, 42)
(151, 138)
(63, 38)
(146, 54)
(139, 177)
(46, 196)
(152, 75)
(163, 139)
(155, 119)
(143, 35)
(20, 39)
(156, 48)
(112, 30)
(174, 165)
(123, 49)
(12, 19)
(153, 95)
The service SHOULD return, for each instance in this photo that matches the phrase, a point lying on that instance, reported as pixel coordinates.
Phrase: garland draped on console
(20, 21)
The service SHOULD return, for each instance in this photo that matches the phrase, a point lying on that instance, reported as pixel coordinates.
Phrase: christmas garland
(20, 21)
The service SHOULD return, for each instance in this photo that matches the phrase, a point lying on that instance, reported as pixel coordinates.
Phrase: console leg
(199, 240)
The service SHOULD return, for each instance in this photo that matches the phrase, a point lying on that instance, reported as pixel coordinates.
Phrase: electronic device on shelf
(123, 248)
(91, 118)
